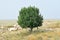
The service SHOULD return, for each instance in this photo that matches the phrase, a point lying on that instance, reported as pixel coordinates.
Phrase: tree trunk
(31, 29)
(37, 28)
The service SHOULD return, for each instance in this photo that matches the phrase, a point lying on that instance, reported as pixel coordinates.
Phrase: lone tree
(29, 17)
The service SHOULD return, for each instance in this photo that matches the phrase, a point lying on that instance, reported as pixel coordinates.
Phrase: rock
(12, 29)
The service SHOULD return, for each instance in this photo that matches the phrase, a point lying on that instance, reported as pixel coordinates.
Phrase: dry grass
(40, 34)
(7, 23)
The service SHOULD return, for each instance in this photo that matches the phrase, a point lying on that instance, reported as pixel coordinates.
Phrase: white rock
(12, 29)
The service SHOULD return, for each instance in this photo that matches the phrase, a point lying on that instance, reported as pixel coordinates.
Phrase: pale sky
(9, 9)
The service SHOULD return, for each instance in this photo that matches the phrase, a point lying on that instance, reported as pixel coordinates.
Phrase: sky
(49, 9)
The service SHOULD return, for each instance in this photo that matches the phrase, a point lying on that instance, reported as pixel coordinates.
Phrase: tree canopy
(29, 17)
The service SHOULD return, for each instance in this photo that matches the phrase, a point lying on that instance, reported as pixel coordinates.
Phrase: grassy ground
(40, 34)
(7, 22)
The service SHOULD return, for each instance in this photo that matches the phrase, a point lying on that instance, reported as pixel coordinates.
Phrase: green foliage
(29, 17)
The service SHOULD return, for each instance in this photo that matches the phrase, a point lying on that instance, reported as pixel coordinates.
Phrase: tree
(29, 17)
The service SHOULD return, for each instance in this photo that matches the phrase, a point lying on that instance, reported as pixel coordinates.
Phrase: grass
(40, 34)
(7, 23)
(24, 35)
